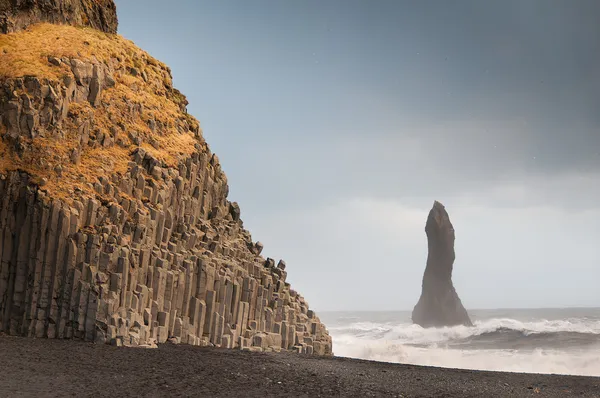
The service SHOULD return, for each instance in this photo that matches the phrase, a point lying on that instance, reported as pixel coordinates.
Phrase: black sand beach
(55, 368)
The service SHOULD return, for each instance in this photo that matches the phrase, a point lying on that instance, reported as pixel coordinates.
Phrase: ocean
(557, 341)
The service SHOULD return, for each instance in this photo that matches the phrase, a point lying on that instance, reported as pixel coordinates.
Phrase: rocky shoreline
(58, 368)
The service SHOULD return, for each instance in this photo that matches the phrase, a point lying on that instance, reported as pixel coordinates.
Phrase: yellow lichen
(26, 54)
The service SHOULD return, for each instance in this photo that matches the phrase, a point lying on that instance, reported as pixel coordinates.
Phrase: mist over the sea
(558, 341)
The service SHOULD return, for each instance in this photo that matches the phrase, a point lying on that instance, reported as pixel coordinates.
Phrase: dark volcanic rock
(16, 15)
(439, 304)
(102, 240)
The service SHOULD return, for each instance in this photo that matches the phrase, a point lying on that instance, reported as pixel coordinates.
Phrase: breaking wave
(569, 346)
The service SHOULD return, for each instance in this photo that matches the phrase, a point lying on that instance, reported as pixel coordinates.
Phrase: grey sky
(338, 123)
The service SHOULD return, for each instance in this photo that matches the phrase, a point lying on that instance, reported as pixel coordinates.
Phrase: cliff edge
(16, 15)
(439, 304)
(114, 221)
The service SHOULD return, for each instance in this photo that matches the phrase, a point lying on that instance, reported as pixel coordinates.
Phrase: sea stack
(439, 304)
(115, 225)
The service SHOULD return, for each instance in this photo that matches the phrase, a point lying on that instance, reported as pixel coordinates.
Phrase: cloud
(369, 253)
(575, 192)
(470, 160)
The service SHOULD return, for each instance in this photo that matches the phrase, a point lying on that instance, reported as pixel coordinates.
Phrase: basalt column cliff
(114, 221)
(439, 304)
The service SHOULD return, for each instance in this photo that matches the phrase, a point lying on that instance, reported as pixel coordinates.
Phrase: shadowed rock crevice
(439, 304)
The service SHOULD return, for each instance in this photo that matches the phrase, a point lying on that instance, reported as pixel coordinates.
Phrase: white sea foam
(408, 343)
(410, 333)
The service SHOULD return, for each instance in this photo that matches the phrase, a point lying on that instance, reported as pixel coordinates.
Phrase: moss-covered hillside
(138, 107)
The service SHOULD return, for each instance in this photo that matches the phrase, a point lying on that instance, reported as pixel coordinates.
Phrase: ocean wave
(569, 346)
(499, 327)
(579, 362)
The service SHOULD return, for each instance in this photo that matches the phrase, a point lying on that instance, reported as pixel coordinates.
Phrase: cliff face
(439, 304)
(114, 221)
(19, 14)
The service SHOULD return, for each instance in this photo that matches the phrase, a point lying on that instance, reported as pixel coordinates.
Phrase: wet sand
(55, 368)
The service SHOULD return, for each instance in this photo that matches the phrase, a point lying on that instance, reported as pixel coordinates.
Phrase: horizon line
(479, 309)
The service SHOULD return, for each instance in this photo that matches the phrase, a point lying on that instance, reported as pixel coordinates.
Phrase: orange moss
(26, 54)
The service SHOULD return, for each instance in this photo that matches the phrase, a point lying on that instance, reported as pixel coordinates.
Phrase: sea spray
(522, 341)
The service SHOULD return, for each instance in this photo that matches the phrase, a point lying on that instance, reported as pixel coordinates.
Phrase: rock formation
(114, 221)
(18, 14)
(439, 304)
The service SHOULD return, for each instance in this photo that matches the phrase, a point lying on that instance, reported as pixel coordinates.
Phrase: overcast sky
(338, 124)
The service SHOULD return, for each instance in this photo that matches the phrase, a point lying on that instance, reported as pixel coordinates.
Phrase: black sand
(53, 368)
